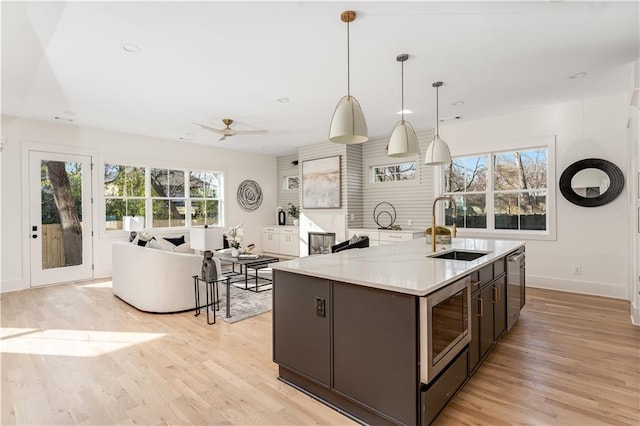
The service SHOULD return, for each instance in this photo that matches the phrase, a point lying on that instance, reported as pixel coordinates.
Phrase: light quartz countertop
(403, 267)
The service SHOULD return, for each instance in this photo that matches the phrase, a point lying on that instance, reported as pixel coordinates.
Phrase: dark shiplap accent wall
(412, 200)
(285, 168)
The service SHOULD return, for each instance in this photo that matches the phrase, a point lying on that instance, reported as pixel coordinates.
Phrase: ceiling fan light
(437, 152)
(348, 125)
(403, 141)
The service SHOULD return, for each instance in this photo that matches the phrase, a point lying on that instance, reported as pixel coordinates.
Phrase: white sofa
(155, 280)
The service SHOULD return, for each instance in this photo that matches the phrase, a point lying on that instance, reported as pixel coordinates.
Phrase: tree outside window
(124, 191)
(466, 181)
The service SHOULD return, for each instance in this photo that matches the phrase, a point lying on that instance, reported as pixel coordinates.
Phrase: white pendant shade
(437, 152)
(403, 141)
(348, 125)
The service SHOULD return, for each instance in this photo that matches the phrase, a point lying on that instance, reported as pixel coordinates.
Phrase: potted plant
(234, 237)
(294, 212)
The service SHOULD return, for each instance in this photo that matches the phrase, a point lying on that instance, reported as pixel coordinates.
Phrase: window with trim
(290, 182)
(393, 172)
(508, 193)
(205, 197)
(169, 197)
(124, 193)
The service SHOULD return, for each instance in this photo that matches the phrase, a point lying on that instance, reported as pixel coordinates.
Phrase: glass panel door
(60, 221)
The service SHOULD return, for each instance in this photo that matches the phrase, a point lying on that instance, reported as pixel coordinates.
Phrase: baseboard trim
(8, 286)
(635, 314)
(583, 287)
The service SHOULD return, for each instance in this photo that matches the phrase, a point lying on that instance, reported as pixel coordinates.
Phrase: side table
(211, 293)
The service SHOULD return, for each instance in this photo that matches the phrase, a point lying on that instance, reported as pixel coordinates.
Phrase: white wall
(598, 238)
(111, 146)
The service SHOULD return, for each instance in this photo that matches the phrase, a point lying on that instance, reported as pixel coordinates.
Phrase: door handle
(320, 310)
(34, 236)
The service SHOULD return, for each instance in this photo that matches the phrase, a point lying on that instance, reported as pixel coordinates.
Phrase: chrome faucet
(433, 220)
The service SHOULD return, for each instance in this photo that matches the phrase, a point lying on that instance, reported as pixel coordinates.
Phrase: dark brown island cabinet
(357, 348)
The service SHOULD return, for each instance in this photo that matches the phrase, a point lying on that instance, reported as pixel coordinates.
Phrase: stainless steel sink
(460, 255)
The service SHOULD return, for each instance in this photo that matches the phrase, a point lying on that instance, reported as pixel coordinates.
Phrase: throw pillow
(183, 248)
(163, 244)
(176, 241)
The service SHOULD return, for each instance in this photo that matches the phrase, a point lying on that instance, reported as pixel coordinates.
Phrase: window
(393, 172)
(169, 197)
(520, 190)
(124, 192)
(204, 189)
(290, 182)
(466, 180)
(508, 193)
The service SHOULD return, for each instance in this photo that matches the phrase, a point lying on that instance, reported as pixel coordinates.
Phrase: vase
(296, 222)
(235, 252)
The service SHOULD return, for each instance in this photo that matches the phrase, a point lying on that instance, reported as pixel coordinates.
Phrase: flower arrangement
(234, 236)
(294, 211)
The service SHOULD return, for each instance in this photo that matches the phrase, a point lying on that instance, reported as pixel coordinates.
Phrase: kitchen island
(349, 328)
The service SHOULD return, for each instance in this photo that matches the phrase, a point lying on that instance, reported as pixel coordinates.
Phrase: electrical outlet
(409, 222)
(577, 270)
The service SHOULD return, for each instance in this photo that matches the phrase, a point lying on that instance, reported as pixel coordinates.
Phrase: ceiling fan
(228, 131)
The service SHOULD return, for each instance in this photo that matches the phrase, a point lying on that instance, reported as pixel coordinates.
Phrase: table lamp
(132, 224)
(207, 239)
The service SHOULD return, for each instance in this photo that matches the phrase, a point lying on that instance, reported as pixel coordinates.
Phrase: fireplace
(321, 242)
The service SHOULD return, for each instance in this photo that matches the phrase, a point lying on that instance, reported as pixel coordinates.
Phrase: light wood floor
(76, 354)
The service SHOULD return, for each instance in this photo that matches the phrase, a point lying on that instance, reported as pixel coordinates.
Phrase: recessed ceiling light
(454, 118)
(182, 138)
(67, 119)
(283, 100)
(131, 48)
(458, 103)
(404, 111)
(578, 75)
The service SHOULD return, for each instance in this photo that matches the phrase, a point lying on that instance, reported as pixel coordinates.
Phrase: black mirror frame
(615, 176)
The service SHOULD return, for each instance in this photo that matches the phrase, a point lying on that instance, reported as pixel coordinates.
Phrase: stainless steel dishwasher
(515, 286)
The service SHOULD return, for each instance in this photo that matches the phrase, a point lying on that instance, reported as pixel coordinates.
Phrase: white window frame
(187, 168)
(547, 142)
(285, 182)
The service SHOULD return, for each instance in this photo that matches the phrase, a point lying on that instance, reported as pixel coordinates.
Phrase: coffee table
(256, 264)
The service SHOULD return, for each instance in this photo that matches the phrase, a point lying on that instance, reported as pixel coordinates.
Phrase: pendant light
(348, 125)
(437, 151)
(403, 141)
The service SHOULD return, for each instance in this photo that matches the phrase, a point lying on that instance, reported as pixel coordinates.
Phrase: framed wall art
(321, 187)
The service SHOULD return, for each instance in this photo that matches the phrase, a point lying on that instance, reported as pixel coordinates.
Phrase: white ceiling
(204, 61)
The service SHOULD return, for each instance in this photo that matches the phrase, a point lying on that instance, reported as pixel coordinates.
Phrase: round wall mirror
(591, 182)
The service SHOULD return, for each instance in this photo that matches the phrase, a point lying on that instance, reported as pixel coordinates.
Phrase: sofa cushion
(183, 248)
(176, 241)
(160, 244)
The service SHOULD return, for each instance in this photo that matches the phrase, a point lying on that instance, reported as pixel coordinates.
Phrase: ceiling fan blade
(211, 129)
(252, 132)
(222, 138)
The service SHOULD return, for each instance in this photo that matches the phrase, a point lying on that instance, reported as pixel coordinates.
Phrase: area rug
(244, 304)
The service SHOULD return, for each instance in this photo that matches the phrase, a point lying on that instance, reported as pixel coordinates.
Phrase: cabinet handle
(499, 295)
(495, 294)
(480, 308)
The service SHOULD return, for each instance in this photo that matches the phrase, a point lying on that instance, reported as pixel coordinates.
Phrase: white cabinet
(282, 240)
(386, 236)
(270, 239)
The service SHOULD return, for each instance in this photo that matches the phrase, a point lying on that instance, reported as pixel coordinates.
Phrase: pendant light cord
(402, 90)
(348, 64)
(437, 114)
